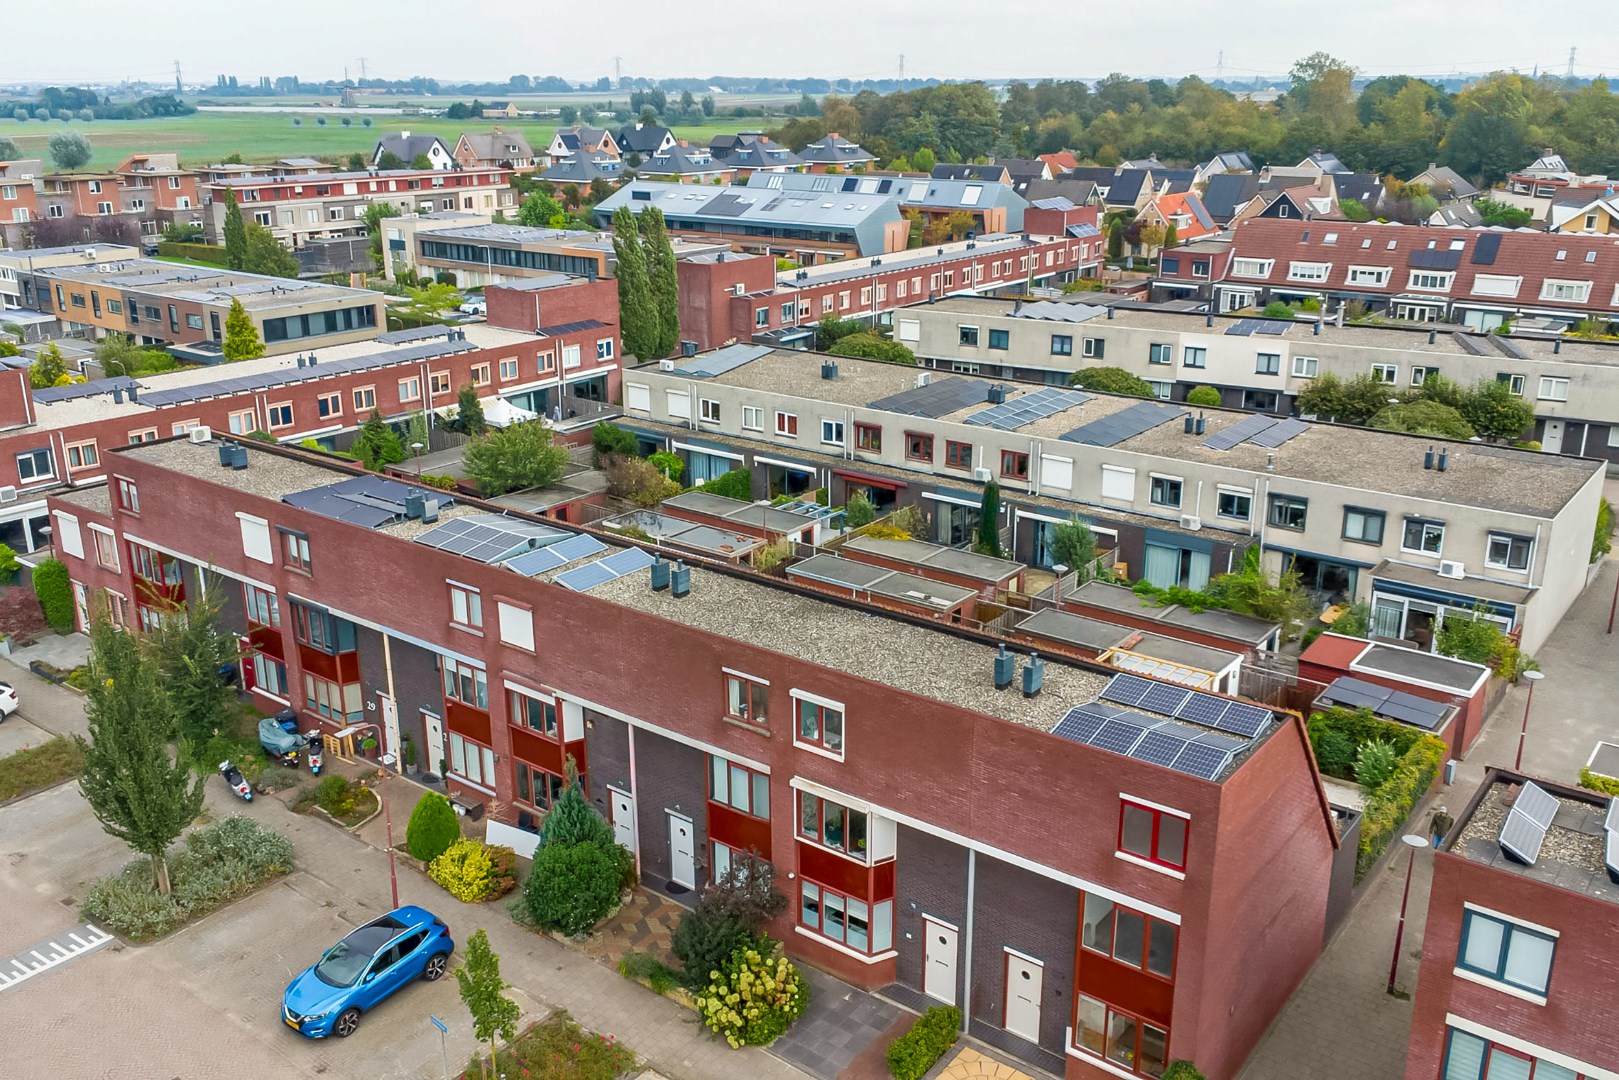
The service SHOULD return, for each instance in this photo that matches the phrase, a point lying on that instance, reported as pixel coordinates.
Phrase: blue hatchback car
(364, 969)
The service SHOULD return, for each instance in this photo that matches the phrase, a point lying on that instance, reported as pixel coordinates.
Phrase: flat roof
(1180, 651)
(684, 533)
(1494, 477)
(743, 513)
(917, 259)
(1571, 857)
(1429, 577)
(1074, 629)
(1444, 672)
(1227, 624)
(985, 568)
(257, 292)
(860, 577)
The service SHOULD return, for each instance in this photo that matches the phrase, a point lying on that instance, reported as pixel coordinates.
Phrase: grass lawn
(207, 137)
(39, 767)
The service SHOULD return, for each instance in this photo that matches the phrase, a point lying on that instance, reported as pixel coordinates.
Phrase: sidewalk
(56, 709)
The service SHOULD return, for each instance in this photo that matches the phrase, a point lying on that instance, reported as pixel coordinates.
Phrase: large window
(1128, 936)
(320, 629)
(1000, 339)
(262, 606)
(1014, 465)
(747, 699)
(339, 704)
(1508, 552)
(832, 825)
(1195, 356)
(918, 447)
(958, 455)
(154, 566)
(1234, 504)
(1363, 526)
(1121, 1037)
(1063, 345)
(464, 683)
(1152, 834)
(319, 323)
(1160, 354)
(535, 786)
(820, 724)
(1506, 952)
(846, 920)
(472, 761)
(466, 606)
(738, 787)
(1288, 512)
(536, 714)
(35, 465)
(1469, 1057)
(868, 437)
(1422, 536)
(1166, 491)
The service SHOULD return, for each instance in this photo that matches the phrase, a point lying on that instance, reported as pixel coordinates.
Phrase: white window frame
(1118, 483)
(1370, 275)
(1552, 388)
(708, 410)
(1387, 374)
(1427, 524)
(782, 425)
(1490, 539)
(1431, 280)
(842, 752)
(1252, 268)
(1308, 271)
(466, 606)
(1306, 367)
(832, 432)
(753, 418)
(1565, 291)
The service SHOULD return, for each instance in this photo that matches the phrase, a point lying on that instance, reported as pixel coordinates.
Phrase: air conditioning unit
(1191, 522)
(981, 475)
(8, 494)
(739, 288)
(1452, 569)
(202, 434)
(666, 365)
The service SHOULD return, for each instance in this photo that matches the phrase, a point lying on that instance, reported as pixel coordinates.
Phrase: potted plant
(368, 746)
(408, 756)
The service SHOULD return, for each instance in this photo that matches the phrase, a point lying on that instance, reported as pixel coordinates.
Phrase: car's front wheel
(435, 967)
(347, 1023)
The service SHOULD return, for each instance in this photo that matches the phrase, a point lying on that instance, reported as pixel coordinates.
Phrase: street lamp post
(1413, 842)
(416, 452)
(1523, 732)
(393, 874)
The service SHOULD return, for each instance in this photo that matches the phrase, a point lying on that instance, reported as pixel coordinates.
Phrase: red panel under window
(882, 881)
(465, 720)
(532, 748)
(1129, 988)
(819, 864)
(267, 640)
(743, 832)
(576, 750)
(316, 662)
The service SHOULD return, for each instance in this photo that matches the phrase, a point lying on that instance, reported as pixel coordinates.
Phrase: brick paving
(1341, 1023)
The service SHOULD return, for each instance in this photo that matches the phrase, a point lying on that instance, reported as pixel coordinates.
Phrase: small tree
(483, 992)
(48, 368)
(859, 511)
(1496, 412)
(139, 792)
(264, 254)
(235, 233)
(1112, 380)
(469, 411)
(55, 593)
(377, 444)
(421, 161)
(833, 329)
(611, 440)
(1205, 396)
(190, 650)
(1278, 309)
(1074, 546)
(989, 520)
(538, 211)
(69, 150)
(241, 336)
(433, 827)
(516, 458)
(1423, 418)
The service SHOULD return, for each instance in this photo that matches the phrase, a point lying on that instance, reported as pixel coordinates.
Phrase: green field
(207, 137)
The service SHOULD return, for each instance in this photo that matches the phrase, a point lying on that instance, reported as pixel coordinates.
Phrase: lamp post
(393, 874)
(1412, 841)
(416, 452)
(1523, 732)
(1056, 586)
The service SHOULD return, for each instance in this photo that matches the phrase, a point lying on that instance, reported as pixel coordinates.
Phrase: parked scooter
(233, 777)
(312, 752)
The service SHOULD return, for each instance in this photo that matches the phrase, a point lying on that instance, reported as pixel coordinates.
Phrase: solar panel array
(940, 397)
(722, 360)
(1019, 412)
(283, 376)
(1488, 246)
(1160, 742)
(1394, 704)
(73, 391)
(1525, 828)
(1248, 327)
(602, 571)
(488, 537)
(367, 501)
(1124, 424)
(545, 559)
(413, 333)
(1210, 710)
(1266, 431)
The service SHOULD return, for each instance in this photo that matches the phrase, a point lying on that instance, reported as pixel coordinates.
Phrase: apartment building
(993, 206)
(1477, 277)
(1522, 927)
(16, 266)
(1080, 918)
(298, 209)
(1417, 530)
(21, 183)
(1264, 365)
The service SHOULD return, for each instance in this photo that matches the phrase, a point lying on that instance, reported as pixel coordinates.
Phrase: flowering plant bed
(557, 1048)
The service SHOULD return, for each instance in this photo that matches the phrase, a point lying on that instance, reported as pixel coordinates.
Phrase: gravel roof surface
(96, 499)
(1570, 858)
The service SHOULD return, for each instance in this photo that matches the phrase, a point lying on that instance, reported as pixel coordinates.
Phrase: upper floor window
(1153, 833)
(787, 424)
(294, 550)
(1160, 354)
(1268, 363)
(536, 714)
(1166, 491)
(1288, 512)
(832, 432)
(35, 465)
(1195, 356)
(365, 399)
(1095, 347)
(106, 549)
(466, 605)
(708, 410)
(1128, 936)
(1506, 951)
(918, 447)
(820, 723)
(263, 607)
(1430, 281)
(464, 683)
(152, 565)
(320, 629)
(1063, 345)
(1234, 503)
(1553, 388)
(958, 455)
(1363, 526)
(1014, 465)
(868, 437)
(969, 335)
(1000, 339)
(1505, 551)
(739, 788)
(129, 496)
(81, 456)
(832, 825)
(1423, 536)
(752, 418)
(747, 699)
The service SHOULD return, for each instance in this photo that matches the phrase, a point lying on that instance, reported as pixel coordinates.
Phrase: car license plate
(293, 1024)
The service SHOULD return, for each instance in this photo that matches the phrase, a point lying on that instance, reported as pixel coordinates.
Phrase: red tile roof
(1532, 256)
(1187, 205)
(1060, 162)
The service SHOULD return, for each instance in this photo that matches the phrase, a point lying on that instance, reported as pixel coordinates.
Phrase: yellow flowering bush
(753, 997)
(472, 871)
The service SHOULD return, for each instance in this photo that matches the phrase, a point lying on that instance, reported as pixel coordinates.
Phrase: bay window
(865, 928)
(464, 683)
(535, 786)
(1128, 936)
(1121, 1037)
(536, 714)
(832, 825)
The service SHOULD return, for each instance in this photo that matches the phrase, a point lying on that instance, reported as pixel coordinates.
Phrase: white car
(8, 699)
(474, 307)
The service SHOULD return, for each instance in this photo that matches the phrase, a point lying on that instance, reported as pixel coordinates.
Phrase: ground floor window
(1168, 567)
(472, 761)
(705, 467)
(535, 786)
(1328, 581)
(337, 703)
(1419, 620)
(1470, 1057)
(849, 921)
(269, 675)
(1121, 1037)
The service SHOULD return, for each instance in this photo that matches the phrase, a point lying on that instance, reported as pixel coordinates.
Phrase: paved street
(1341, 1023)
(205, 1002)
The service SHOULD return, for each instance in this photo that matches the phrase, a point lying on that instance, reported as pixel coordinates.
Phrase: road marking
(83, 938)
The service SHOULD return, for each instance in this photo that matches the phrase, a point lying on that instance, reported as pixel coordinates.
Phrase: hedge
(55, 594)
(736, 484)
(1390, 804)
(1359, 727)
(912, 1054)
(208, 253)
(1592, 781)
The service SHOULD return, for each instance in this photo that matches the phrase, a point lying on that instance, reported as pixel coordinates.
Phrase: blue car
(364, 969)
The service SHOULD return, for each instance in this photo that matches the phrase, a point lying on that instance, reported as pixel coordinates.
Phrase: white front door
(1551, 440)
(939, 960)
(623, 807)
(435, 742)
(682, 851)
(1023, 978)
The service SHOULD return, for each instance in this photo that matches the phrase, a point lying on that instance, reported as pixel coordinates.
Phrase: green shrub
(704, 939)
(204, 253)
(55, 594)
(573, 821)
(912, 1054)
(335, 795)
(1206, 396)
(1182, 1070)
(648, 968)
(1334, 754)
(1276, 309)
(1375, 764)
(573, 886)
(473, 871)
(608, 439)
(754, 997)
(859, 510)
(1602, 537)
(9, 563)
(736, 484)
(668, 464)
(1591, 781)
(433, 827)
(1389, 806)
(439, 481)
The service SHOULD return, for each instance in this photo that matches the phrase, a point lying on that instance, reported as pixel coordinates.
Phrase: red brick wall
(524, 310)
(1581, 1000)
(710, 312)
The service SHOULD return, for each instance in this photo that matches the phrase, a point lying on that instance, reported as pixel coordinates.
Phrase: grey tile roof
(640, 138)
(1078, 192)
(406, 147)
(684, 161)
(1227, 193)
(583, 171)
(991, 174)
(1126, 187)
(498, 146)
(834, 150)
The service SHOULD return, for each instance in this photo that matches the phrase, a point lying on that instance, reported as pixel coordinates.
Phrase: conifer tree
(241, 336)
(235, 233)
(637, 314)
(662, 279)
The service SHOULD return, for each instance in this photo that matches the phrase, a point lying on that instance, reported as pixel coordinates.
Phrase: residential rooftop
(918, 259)
(1477, 474)
(339, 177)
(204, 285)
(1570, 857)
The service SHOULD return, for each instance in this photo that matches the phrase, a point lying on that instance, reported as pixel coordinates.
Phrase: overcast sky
(490, 39)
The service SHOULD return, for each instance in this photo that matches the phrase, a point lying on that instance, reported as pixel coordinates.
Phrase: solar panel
(1125, 424)
(1274, 327)
(1201, 760)
(1356, 694)
(487, 537)
(1080, 725)
(1468, 345)
(1610, 855)
(1410, 709)
(588, 576)
(1521, 837)
(1611, 822)
(1165, 699)
(627, 561)
(545, 559)
(1242, 327)
(1539, 805)
(1242, 430)
(414, 333)
(1119, 736)
(1026, 410)
(1485, 250)
(1279, 433)
(939, 397)
(1159, 748)
(723, 360)
(1126, 689)
(1246, 720)
(1202, 709)
(1228, 743)
(74, 391)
